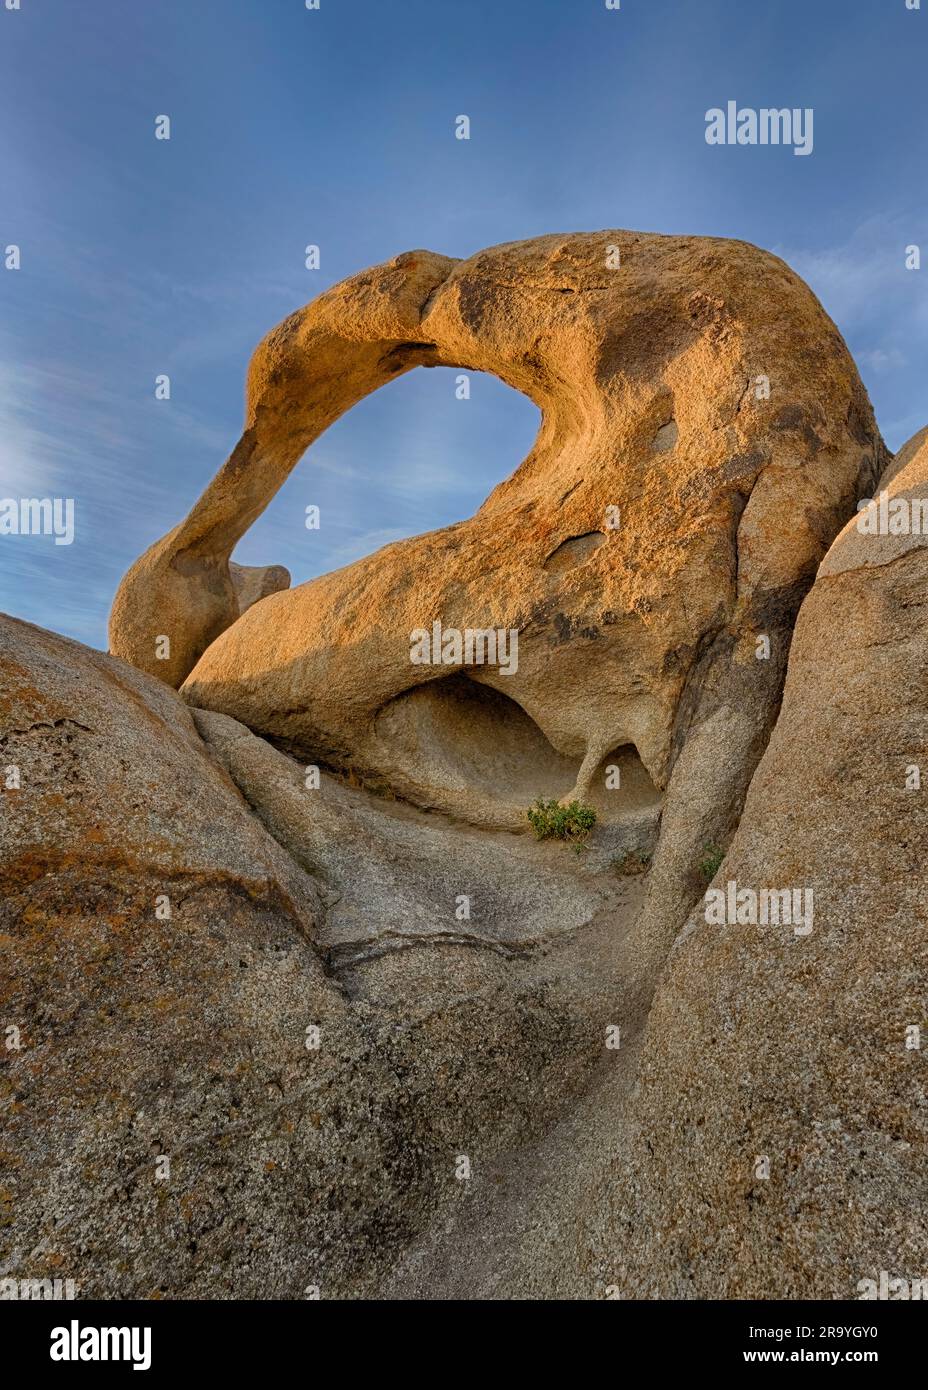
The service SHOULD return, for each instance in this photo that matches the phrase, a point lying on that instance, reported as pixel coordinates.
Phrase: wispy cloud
(881, 308)
(880, 360)
(54, 418)
(856, 278)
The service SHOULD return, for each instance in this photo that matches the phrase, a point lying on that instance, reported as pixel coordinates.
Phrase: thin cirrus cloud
(881, 308)
(854, 278)
(58, 425)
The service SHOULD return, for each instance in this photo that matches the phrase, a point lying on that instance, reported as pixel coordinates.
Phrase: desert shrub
(550, 820)
(711, 861)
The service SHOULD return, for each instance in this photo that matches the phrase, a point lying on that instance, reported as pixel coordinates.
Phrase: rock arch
(716, 503)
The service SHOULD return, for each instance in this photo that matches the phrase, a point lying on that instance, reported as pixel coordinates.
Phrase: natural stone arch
(307, 372)
(725, 499)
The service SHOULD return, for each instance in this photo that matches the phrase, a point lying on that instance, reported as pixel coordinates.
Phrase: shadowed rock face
(764, 1136)
(767, 1042)
(162, 958)
(669, 511)
(254, 582)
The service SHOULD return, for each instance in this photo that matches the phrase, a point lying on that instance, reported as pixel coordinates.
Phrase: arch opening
(409, 458)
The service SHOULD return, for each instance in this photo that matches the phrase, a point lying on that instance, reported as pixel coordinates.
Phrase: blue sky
(336, 127)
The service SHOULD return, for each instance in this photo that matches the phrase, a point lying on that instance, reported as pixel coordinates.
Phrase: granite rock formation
(704, 434)
(287, 1005)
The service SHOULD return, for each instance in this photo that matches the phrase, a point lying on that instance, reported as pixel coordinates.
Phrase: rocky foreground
(294, 1004)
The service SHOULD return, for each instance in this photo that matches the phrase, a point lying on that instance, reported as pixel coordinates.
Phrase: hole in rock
(411, 457)
(573, 552)
(665, 438)
(458, 734)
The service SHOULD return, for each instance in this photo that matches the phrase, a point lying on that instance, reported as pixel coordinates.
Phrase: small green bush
(711, 861)
(552, 821)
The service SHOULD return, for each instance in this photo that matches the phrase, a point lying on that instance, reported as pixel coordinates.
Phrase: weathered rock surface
(903, 458)
(892, 522)
(142, 1035)
(254, 582)
(395, 879)
(765, 1043)
(761, 1044)
(650, 378)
